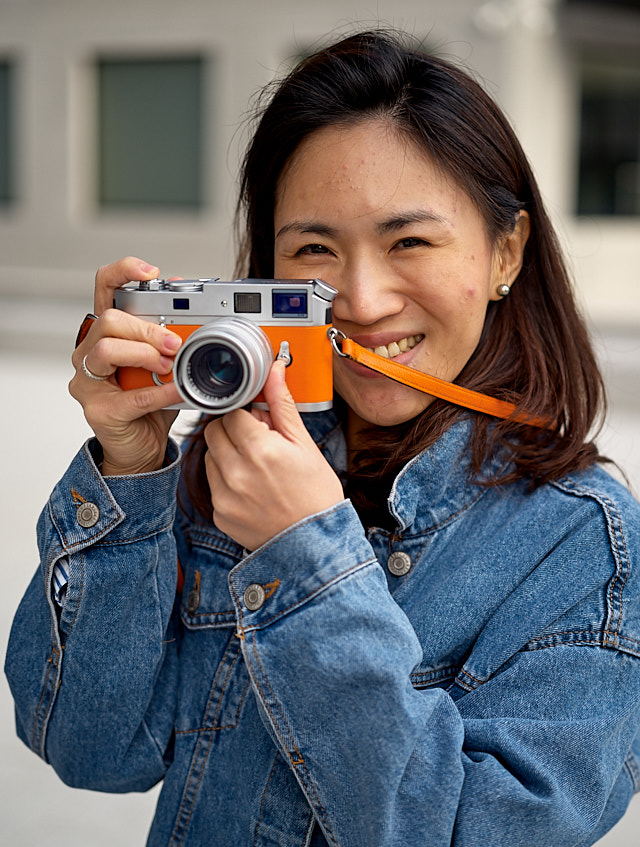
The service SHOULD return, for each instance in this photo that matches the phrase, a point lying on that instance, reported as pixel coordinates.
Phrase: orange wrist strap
(85, 326)
(432, 385)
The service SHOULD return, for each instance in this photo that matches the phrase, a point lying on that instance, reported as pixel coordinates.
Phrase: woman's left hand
(265, 471)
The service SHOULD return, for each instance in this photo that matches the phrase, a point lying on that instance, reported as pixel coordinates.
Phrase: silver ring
(90, 374)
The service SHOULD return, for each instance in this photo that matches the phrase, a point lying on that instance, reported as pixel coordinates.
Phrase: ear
(508, 255)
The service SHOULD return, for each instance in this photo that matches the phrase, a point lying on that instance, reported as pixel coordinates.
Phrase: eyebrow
(392, 224)
(310, 227)
(417, 216)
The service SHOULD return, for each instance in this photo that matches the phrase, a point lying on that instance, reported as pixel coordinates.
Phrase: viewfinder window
(289, 303)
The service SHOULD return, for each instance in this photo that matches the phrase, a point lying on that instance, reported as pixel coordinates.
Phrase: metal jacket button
(254, 596)
(88, 515)
(399, 563)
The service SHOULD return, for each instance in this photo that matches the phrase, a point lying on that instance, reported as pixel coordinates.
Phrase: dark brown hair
(534, 350)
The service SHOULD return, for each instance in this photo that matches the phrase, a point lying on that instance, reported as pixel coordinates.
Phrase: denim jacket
(472, 678)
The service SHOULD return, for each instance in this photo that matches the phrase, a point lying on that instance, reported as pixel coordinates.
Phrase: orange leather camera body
(232, 331)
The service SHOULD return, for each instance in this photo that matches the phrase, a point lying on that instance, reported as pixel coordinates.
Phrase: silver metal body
(208, 298)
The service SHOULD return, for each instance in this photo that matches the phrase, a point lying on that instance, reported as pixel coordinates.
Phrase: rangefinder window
(289, 303)
(247, 302)
(181, 303)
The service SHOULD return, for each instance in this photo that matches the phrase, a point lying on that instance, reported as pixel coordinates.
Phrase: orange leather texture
(310, 382)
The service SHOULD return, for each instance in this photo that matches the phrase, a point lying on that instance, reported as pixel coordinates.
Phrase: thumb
(285, 417)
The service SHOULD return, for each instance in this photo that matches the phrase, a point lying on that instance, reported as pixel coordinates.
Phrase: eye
(411, 241)
(312, 249)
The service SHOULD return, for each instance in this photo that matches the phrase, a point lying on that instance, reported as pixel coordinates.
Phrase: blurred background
(121, 128)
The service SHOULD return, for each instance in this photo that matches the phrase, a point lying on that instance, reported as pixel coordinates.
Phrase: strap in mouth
(347, 348)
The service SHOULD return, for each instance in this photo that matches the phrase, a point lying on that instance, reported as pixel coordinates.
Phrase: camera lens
(223, 365)
(215, 370)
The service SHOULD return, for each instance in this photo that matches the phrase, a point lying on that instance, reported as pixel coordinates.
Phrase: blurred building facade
(122, 125)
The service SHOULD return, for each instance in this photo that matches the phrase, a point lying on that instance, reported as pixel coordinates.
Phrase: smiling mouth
(395, 348)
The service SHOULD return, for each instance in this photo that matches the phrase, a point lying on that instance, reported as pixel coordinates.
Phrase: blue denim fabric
(489, 696)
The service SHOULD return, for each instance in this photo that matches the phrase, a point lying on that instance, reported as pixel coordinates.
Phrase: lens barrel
(223, 365)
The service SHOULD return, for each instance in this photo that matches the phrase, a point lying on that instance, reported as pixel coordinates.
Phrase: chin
(391, 419)
(386, 408)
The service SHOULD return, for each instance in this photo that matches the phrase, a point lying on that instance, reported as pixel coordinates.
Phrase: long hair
(534, 350)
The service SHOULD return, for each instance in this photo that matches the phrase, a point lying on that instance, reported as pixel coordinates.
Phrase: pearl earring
(503, 290)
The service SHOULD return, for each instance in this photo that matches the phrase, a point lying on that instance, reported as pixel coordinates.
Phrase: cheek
(475, 275)
(464, 304)
(475, 290)
(465, 317)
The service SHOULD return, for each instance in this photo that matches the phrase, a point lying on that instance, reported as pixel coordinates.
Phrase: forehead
(369, 163)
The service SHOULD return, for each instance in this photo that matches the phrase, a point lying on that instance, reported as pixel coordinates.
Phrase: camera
(232, 331)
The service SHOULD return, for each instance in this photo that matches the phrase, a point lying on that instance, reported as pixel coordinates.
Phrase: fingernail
(172, 341)
(166, 363)
(148, 269)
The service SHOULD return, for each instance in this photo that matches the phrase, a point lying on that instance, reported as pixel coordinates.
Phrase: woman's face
(366, 211)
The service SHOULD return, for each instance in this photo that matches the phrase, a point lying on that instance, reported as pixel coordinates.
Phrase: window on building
(6, 182)
(609, 171)
(604, 4)
(150, 133)
(604, 37)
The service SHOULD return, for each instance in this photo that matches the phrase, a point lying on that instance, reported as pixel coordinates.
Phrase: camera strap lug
(337, 337)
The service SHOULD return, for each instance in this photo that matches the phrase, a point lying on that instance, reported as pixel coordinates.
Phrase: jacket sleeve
(527, 758)
(94, 682)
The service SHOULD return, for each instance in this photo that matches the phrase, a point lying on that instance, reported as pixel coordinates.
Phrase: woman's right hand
(132, 426)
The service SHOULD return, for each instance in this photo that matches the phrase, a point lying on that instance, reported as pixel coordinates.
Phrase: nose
(367, 293)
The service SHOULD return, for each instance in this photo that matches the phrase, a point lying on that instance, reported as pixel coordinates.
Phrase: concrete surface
(40, 430)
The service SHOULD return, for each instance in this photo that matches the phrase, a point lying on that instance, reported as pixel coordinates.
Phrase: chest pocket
(206, 602)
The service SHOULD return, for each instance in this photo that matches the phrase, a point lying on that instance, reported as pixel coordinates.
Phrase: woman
(450, 655)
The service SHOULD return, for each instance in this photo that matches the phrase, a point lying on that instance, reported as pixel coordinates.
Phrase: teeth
(394, 349)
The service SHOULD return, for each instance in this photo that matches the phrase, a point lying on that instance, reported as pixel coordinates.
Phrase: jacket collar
(437, 485)
(431, 489)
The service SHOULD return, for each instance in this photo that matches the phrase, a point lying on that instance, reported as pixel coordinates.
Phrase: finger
(283, 411)
(219, 495)
(263, 416)
(214, 477)
(110, 277)
(221, 464)
(142, 401)
(116, 324)
(109, 354)
(216, 438)
(117, 406)
(244, 430)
